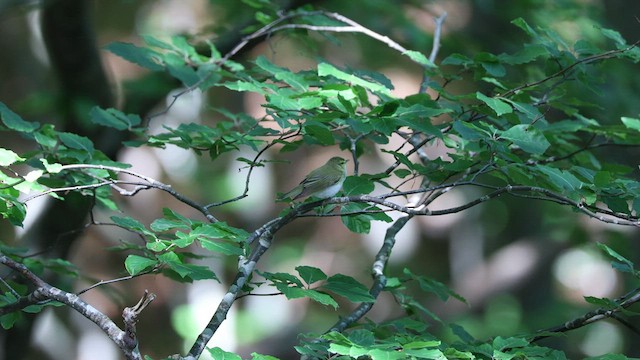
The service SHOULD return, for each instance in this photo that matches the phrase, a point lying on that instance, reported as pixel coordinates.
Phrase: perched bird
(323, 182)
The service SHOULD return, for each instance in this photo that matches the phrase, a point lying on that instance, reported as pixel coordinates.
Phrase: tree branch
(46, 292)
(424, 85)
(262, 238)
(623, 302)
(377, 271)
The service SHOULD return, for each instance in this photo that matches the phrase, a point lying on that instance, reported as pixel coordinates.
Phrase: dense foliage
(519, 127)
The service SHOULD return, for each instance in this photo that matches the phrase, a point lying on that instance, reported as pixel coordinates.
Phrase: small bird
(323, 182)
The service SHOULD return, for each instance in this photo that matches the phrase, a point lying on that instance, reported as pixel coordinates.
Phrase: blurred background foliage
(522, 265)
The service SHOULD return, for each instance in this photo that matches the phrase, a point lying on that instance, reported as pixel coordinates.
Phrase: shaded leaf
(141, 56)
(114, 118)
(78, 142)
(528, 138)
(561, 178)
(348, 287)
(14, 122)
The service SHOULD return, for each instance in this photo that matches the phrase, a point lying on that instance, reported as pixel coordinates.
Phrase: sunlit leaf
(498, 106)
(310, 274)
(8, 157)
(325, 69)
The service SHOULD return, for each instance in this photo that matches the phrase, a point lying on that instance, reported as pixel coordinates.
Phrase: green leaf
(491, 64)
(433, 286)
(420, 111)
(527, 138)
(8, 320)
(349, 288)
(522, 24)
(498, 106)
(183, 240)
(8, 157)
(12, 209)
(603, 302)
(78, 142)
(321, 134)
(426, 353)
(380, 354)
(220, 230)
(419, 58)
(421, 344)
(219, 354)
(191, 271)
(357, 185)
(311, 274)
(14, 122)
(157, 246)
(221, 247)
(155, 42)
(631, 123)
(136, 264)
(530, 112)
(141, 56)
(256, 356)
(461, 333)
(128, 223)
(385, 125)
(616, 204)
(114, 118)
(561, 178)
(317, 296)
(51, 168)
(528, 54)
(325, 69)
(360, 224)
(500, 343)
(457, 59)
(160, 225)
(182, 45)
(296, 81)
(615, 255)
(353, 351)
(615, 36)
(282, 278)
(179, 69)
(470, 131)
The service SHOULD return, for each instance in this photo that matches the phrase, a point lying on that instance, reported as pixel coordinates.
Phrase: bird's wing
(314, 177)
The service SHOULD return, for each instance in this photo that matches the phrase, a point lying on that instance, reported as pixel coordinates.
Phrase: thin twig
(623, 302)
(561, 72)
(424, 85)
(148, 183)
